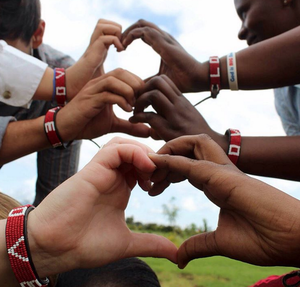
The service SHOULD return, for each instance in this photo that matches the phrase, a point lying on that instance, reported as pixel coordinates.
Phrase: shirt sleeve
(20, 75)
(4, 121)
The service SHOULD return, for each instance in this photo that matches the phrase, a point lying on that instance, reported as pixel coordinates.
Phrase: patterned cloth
(287, 103)
(276, 281)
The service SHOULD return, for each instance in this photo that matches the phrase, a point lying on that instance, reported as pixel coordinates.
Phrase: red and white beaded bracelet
(51, 129)
(234, 148)
(18, 248)
(215, 78)
(60, 86)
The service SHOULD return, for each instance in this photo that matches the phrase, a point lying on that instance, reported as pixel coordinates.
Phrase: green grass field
(211, 272)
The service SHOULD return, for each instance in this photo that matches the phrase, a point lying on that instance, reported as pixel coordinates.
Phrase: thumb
(151, 245)
(198, 246)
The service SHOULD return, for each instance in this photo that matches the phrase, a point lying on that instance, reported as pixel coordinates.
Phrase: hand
(90, 114)
(90, 65)
(257, 223)
(81, 224)
(176, 63)
(175, 115)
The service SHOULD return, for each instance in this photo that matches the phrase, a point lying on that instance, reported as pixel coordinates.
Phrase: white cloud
(189, 204)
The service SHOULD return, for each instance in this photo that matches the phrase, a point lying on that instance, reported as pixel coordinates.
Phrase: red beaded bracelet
(18, 248)
(214, 72)
(60, 86)
(51, 129)
(234, 148)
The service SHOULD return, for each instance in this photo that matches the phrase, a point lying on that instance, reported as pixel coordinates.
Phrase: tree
(171, 211)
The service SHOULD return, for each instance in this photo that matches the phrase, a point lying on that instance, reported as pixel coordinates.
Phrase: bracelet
(214, 72)
(18, 248)
(234, 148)
(231, 72)
(51, 129)
(60, 86)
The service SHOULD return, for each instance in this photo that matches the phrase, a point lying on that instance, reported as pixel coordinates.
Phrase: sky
(203, 28)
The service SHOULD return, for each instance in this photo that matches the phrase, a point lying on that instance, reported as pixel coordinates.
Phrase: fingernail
(129, 107)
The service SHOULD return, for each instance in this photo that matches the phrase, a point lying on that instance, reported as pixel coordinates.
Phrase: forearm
(277, 157)
(271, 156)
(22, 138)
(45, 88)
(260, 66)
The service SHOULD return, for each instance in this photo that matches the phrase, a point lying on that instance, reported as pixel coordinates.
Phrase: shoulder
(54, 58)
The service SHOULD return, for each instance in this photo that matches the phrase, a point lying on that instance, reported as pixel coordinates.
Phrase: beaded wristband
(18, 248)
(60, 86)
(234, 148)
(51, 129)
(231, 72)
(214, 72)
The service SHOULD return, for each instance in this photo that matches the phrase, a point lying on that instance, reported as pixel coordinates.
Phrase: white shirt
(20, 75)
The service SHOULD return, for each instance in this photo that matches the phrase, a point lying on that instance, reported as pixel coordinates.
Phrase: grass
(212, 272)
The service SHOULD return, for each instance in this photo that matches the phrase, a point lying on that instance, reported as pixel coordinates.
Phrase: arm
(175, 116)
(90, 65)
(257, 223)
(89, 115)
(84, 209)
(260, 66)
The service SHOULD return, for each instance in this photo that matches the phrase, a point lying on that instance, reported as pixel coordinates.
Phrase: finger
(117, 82)
(120, 140)
(141, 23)
(151, 245)
(153, 119)
(198, 246)
(160, 127)
(157, 101)
(158, 188)
(200, 147)
(107, 41)
(111, 85)
(115, 154)
(123, 126)
(131, 79)
(112, 99)
(154, 135)
(162, 178)
(179, 168)
(159, 41)
(106, 27)
(163, 85)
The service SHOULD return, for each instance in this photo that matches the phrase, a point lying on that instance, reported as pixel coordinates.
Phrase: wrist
(200, 79)
(78, 75)
(220, 139)
(45, 265)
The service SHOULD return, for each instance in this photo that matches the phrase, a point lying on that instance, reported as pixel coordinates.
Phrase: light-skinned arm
(81, 224)
(89, 115)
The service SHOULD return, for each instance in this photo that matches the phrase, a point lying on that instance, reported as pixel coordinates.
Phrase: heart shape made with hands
(139, 59)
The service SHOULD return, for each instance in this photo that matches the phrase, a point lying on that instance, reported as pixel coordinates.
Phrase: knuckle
(119, 71)
(156, 81)
(141, 22)
(205, 138)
